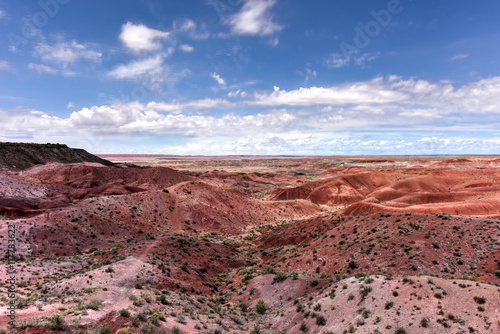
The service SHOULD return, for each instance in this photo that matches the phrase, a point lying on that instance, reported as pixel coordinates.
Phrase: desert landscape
(248, 244)
(249, 167)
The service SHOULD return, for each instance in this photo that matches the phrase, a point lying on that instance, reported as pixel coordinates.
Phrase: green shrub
(104, 329)
(303, 327)
(57, 322)
(256, 330)
(279, 277)
(366, 290)
(180, 319)
(148, 328)
(124, 313)
(320, 320)
(480, 300)
(260, 307)
(95, 304)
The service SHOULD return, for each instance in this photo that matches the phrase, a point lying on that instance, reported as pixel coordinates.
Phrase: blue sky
(252, 76)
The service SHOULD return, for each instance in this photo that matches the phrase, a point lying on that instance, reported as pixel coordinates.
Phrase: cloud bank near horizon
(348, 118)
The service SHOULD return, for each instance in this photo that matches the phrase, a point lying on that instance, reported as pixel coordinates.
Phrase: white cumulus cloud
(139, 38)
(254, 18)
(217, 78)
(384, 115)
(186, 48)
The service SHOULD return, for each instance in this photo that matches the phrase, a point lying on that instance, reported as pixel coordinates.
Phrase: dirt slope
(19, 156)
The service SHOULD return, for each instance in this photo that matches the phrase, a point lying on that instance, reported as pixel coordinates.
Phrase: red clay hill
(172, 244)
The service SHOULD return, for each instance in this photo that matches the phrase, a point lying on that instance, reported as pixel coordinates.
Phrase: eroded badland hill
(251, 244)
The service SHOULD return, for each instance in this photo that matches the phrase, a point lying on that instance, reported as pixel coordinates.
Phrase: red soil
(209, 240)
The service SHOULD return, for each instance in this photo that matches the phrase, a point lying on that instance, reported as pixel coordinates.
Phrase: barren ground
(253, 245)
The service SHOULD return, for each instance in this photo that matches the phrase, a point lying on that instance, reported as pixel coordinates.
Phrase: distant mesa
(21, 156)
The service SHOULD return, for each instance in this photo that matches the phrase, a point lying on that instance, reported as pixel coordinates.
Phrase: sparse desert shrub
(438, 295)
(138, 302)
(176, 330)
(303, 327)
(28, 323)
(95, 304)
(124, 313)
(352, 265)
(260, 307)
(180, 319)
(147, 328)
(424, 322)
(155, 319)
(104, 329)
(138, 286)
(20, 302)
(320, 320)
(388, 304)
(480, 300)
(400, 330)
(236, 320)
(243, 307)
(314, 283)
(366, 290)
(163, 299)
(122, 331)
(268, 270)
(256, 330)
(279, 277)
(57, 322)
